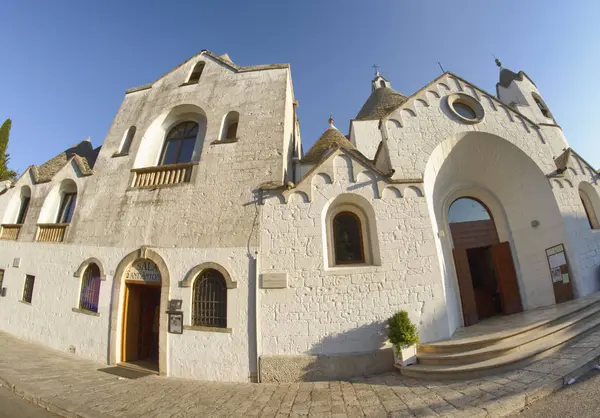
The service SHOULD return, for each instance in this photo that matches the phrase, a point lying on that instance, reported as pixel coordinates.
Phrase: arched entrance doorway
(141, 283)
(485, 270)
(141, 314)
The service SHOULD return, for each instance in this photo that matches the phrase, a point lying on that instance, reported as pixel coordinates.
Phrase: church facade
(200, 241)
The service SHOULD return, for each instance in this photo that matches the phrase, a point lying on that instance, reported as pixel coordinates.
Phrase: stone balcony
(51, 232)
(10, 232)
(162, 176)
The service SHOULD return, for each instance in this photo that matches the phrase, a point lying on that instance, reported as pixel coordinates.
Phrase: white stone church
(201, 240)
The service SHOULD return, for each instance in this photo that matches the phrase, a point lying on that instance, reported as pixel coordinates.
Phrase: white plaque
(273, 280)
(143, 271)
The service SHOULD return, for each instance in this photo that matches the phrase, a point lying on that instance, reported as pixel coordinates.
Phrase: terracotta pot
(405, 356)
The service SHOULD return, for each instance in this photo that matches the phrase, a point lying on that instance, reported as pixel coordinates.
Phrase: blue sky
(66, 64)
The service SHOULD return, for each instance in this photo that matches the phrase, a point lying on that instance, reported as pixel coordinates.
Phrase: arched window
(590, 211)
(90, 288)
(180, 143)
(196, 73)
(67, 208)
(543, 108)
(68, 200)
(382, 83)
(347, 239)
(127, 140)
(230, 126)
(209, 300)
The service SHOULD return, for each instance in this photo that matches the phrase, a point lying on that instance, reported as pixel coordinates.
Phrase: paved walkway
(72, 387)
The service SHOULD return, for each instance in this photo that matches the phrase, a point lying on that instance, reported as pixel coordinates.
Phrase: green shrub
(401, 331)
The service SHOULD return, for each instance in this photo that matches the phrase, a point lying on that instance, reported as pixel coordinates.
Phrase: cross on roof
(376, 68)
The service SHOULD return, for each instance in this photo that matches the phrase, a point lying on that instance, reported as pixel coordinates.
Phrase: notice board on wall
(559, 272)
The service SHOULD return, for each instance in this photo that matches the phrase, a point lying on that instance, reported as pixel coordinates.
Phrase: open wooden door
(131, 322)
(465, 285)
(507, 278)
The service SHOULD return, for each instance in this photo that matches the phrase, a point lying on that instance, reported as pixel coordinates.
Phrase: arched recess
(81, 269)
(152, 142)
(118, 299)
(55, 199)
(126, 141)
(516, 191)
(362, 209)
(16, 211)
(591, 203)
(195, 272)
(229, 127)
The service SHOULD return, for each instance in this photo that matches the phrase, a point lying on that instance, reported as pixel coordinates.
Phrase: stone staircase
(509, 342)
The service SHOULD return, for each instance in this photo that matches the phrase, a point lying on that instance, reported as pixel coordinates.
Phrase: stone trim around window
(81, 269)
(86, 312)
(207, 329)
(195, 272)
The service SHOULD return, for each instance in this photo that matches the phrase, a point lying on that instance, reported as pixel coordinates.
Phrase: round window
(464, 110)
(465, 107)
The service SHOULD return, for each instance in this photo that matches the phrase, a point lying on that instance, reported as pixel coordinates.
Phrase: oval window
(464, 110)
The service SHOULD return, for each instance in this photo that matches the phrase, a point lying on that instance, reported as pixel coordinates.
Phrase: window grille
(90, 289)
(209, 300)
(28, 288)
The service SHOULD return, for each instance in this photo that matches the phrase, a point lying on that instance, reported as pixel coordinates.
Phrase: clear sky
(65, 65)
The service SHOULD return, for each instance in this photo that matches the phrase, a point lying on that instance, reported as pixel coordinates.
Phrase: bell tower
(519, 92)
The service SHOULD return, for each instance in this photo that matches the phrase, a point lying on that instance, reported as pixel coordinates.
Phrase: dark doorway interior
(141, 326)
(485, 282)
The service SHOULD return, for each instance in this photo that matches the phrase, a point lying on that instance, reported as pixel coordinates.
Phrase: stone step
(506, 345)
(486, 339)
(520, 356)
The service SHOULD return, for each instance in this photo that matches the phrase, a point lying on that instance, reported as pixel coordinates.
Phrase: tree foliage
(5, 172)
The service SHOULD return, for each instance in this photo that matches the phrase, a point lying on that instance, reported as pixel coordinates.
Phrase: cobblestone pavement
(71, 386)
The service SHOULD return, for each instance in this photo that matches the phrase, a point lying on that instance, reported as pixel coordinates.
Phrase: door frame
(497, 213)
(117, 311)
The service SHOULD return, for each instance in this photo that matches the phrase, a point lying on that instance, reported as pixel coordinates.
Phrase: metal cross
(376, 67)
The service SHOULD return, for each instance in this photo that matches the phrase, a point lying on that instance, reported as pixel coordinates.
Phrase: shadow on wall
(321, 366)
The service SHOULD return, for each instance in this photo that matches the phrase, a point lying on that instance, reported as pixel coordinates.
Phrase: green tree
(5, 172)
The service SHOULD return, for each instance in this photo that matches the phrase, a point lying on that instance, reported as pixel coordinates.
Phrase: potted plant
(404, 337)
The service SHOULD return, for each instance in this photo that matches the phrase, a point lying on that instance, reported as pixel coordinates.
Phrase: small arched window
(590, 211)
(68, 200)
(90, 288)
(230, 126)
(382, 83)
(24, 207)
(196, 73)
(347, 239)
(209, 300)
(180, 143)
(543, 108)
(127, 140)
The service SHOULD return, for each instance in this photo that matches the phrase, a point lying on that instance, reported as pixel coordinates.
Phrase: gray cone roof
(380, 103)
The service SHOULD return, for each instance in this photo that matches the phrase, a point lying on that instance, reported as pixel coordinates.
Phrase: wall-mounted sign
(175, 305)
(176, 322)
(143, 271)
(273, 280)
(559, 269)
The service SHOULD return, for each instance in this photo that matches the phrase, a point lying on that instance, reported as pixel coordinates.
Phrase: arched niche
(17, 204)
(51, 206)
(152, 143)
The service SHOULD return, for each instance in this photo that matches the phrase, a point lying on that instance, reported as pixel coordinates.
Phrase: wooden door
(507, 278)
(131, 322)
(465, 286)
(563, 291)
